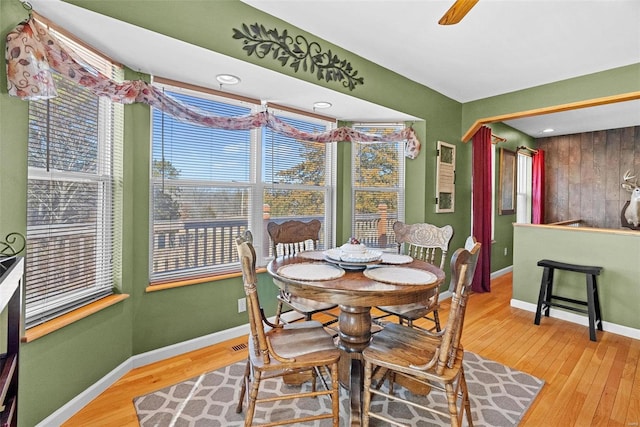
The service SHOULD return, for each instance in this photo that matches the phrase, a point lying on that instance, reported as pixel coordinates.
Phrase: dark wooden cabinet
(11, 278)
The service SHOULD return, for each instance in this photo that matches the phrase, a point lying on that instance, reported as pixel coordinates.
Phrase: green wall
(618, 254)
(63, 364)
(58, 367)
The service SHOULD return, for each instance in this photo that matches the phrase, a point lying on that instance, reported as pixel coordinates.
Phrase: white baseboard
(501, 272)
(578, 319)
(80, 401)
(447, 294)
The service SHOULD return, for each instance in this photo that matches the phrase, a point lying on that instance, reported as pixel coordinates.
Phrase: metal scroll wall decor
(13, 244)
(298, 52)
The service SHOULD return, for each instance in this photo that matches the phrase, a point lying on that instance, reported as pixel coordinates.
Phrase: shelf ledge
(53, 325)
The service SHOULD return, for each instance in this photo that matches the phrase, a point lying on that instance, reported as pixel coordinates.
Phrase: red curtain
(482, 203)
(537, 196)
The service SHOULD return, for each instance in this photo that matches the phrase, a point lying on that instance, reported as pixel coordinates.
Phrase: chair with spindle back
(276, 350)
(429, 243)
(432, 360)
(288, 239)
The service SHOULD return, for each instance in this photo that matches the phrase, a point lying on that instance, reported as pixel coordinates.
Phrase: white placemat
(388, 258)
(310, 271)
(400, 275)
(315, 255)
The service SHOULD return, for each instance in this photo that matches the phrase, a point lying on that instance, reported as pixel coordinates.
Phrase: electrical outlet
(242, 305)
(506, 251)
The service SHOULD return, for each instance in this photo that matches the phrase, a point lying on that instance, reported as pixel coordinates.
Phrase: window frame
(256, 186)
(48, 302)
(524, 188)
(399, 190)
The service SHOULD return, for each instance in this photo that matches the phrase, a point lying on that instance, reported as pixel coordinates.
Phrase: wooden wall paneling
(636, 138)
(551, 180)
(553, 159)
(612, 183)
(627, 160)
(563, 179)
(575, 185)
(587, 178)
(584, 173)
(599, 166)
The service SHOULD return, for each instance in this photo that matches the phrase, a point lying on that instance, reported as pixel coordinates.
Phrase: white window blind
(378, 187)
(523, 196)
(209, 185)
(298, 177)
(73, 196)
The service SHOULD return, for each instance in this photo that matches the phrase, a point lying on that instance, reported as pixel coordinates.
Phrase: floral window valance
(32, 52)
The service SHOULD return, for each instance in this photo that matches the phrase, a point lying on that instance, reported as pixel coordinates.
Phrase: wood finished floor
(587, 383)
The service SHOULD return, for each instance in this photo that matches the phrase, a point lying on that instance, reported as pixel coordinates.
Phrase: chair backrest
(462, 270)
(424, 241)
(473, 247)
(247, 255)
(291, 237)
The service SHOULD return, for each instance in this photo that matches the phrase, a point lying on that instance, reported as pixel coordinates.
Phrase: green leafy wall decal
(298, 52)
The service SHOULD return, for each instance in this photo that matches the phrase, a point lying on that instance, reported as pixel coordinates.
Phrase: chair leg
(314, 379)
(243, 390)
(335, 396)
(465, 398)
(319, 374)
(253, 396)
(278, 312)
(452, 401)
(436, 319)
(366, 398)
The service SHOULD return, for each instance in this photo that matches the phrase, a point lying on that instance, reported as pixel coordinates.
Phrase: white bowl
(353, 249)
(367, 256)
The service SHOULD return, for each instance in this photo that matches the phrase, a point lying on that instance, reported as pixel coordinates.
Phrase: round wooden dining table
(355, 292)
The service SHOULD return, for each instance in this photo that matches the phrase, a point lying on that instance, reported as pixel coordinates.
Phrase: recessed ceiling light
(548, 130)
(227, 79)
(322, 104)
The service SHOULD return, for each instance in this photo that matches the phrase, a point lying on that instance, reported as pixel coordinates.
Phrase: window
(73, 197)
(209, 185)
(494, 149)
(524, 189)
(298, 178)
(445, 177)
(377, 187)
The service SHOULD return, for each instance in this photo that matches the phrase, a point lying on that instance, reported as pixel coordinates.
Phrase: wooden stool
(546, 293)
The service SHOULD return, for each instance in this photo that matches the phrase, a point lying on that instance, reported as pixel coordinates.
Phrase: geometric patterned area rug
(499, 397)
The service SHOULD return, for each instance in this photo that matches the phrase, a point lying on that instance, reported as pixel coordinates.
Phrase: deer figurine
(632, 212)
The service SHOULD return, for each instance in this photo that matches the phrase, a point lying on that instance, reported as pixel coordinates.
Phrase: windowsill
(197, 281)
(53, 325)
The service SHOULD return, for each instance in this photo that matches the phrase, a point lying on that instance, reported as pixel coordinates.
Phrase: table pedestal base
(355, 333)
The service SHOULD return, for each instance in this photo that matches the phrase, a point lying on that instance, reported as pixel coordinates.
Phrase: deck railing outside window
(191, 244)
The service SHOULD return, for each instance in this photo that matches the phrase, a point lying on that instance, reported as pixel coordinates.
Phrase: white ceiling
(499, 47)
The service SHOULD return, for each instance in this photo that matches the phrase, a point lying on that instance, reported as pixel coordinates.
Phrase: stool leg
(549, 292)
(596, 301)
(545, 293)
(591, 307)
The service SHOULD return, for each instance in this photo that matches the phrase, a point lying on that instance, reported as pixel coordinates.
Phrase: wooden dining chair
(428, 243)
(276, 350)
(419, 356)
(288, 239)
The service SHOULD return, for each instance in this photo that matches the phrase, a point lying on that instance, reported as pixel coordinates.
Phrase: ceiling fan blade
(457, 11)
